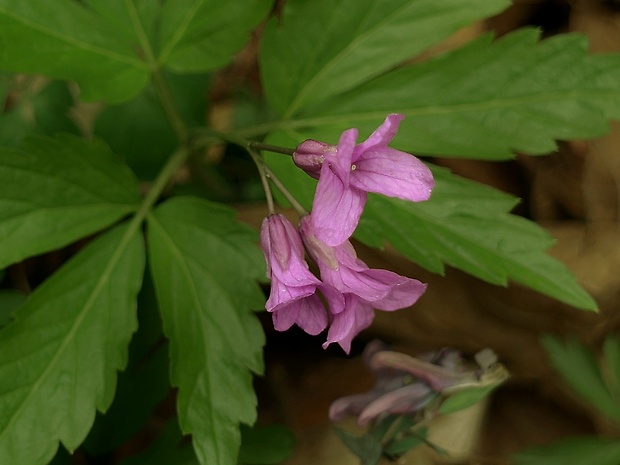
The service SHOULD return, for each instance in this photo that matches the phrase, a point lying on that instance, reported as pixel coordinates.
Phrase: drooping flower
(347, 172)
(363, 288)
(405, 385)
(293, 298)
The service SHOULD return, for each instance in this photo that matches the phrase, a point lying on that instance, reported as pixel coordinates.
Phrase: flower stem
(271, 148)
(262, 171)
(301, 211)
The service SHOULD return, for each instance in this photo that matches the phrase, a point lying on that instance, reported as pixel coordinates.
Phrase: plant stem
(271, 148)
(263, 172)
(170, 108)
(301, 211)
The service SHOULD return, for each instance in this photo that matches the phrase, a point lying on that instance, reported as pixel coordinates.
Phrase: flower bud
(310, 155)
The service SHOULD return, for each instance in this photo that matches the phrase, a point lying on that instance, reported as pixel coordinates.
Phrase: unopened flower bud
(310, 155)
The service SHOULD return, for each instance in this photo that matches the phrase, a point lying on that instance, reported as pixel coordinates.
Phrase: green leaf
(54, 191)
(465, 224)
(59, 357)
(573, 451)
(143, 384)
(611, 353)
(64, 39)
(579, 368)
(202, 35)
(265, 445)
(398, 447)
(10, 300)
(463, 399)
(166, 450)
(485, 100)
(147, 140)
(366, 447)
(205, 266)
(322, 48)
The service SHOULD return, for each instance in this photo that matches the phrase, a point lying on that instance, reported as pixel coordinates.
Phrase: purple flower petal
(282, 294)
(308, 313)
(390, 172)
(336, 209)
(403, 292)
(383, 135)
(284, 252)
(439, 378)
(341, 162)
(355, 317)
(351, 405)
(335, 298)
(407, 399)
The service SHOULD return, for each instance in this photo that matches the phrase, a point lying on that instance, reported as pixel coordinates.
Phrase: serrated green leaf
(141, 386)
(66, 40)
(56, 190)
(485, 100)
(201, 35)
(579, 368)
(572, 451)
(205, 266)
(59, 357)
(491, 245)
(464, 224)
(264, 445)
(322, 48)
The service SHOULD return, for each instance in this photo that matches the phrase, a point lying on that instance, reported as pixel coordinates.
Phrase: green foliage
(573, 451)
(596, 383)
(205, 266)
(580, 369)
(325, 66)
(485, 100)
(110, 48)
(59, 357)
(463, 399)
(367, 447)
(352, 42)
(146, 140)
(57, 190)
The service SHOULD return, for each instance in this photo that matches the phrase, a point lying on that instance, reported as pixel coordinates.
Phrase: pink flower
(293, 298)
(347, 172)
(363, 288)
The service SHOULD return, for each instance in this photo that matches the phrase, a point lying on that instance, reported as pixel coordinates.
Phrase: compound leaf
(56, 190)
(64, 39)
(60, 354)
(201, 35)
(351, 42)
(205, 266)
(485, 100)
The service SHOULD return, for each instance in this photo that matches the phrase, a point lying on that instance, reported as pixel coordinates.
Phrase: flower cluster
(405, 385)
(351, 290)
